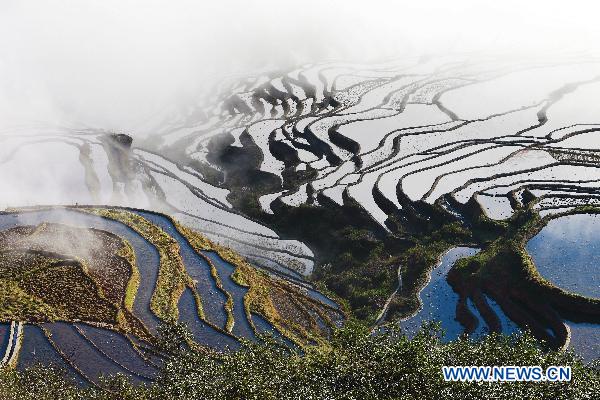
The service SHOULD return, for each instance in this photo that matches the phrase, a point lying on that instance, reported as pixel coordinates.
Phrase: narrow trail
(383, 313)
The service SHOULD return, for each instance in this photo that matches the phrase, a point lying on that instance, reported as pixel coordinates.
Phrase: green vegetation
(107, 259)
(356, 365)
(355, 258)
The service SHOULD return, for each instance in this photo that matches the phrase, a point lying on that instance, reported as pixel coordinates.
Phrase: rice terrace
(293, 233)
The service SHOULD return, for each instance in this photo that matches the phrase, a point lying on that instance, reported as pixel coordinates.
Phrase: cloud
(111, 63)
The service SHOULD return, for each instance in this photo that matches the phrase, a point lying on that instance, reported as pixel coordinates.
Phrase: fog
(112, 64)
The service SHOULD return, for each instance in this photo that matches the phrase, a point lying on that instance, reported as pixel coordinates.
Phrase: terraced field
(355, 178)
(380, 169)
(87, 288)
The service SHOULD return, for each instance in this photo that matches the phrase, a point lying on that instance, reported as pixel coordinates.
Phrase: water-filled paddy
(202, 331)
(506, 324)
(4, 338)
(585, 339)
(439, 299)
(567, 253)
(213, 299)
(439, 303)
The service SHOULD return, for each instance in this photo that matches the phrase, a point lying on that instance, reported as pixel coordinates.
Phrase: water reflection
(439, 299)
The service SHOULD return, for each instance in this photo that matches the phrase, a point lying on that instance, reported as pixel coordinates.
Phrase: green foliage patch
(357, 365)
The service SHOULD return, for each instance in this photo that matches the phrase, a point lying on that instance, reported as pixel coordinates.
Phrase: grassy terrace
(17, 302)
(134, 281)
(172, 278)
(50, 288)
(46, 279)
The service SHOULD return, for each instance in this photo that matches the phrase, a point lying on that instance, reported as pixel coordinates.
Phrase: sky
(111, 64)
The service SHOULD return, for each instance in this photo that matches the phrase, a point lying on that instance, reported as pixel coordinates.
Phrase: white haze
(111, 64)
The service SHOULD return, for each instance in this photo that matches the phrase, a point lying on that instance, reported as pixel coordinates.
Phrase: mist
(112, 64)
